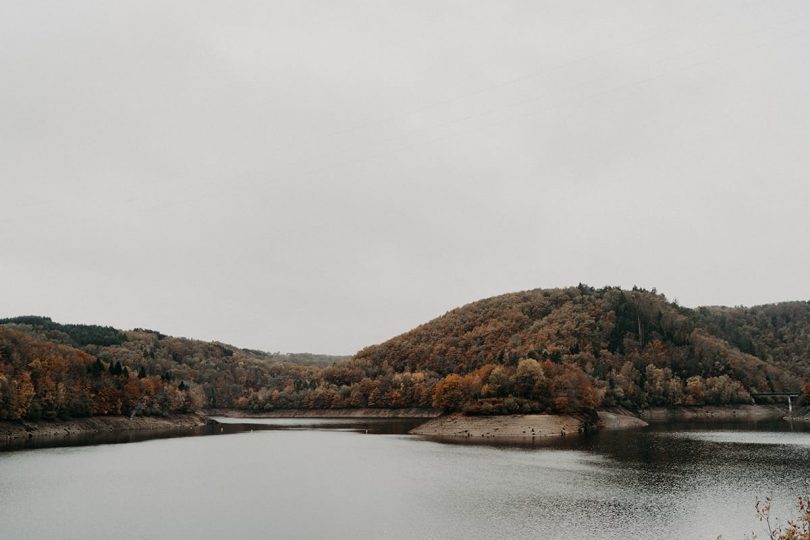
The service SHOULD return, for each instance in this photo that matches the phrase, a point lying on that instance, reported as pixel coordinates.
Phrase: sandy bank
(522, 426)
(326, 413)
(506, 426)
(96, 424)
(619, 418)
(723, 413)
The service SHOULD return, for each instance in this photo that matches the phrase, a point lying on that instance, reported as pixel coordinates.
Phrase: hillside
(564, 349)
(50, 370)
(777, 333)
(544, 350)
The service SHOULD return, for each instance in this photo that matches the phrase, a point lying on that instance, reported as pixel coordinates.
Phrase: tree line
(546, 350)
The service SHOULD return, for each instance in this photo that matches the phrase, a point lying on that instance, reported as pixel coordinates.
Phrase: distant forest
(544, 350)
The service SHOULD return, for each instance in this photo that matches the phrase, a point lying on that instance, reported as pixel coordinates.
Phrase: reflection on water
(283, 480)
(221, 426)
(365, 425)
(748, 437)
(115, 437)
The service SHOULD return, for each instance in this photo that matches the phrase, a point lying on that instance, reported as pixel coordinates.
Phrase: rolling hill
(543, 350)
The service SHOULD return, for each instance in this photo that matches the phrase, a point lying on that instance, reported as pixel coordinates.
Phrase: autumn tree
(450, 393)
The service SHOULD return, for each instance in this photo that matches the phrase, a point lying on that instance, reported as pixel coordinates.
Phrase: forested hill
(54, 370)
(545, 350)
(563, 349)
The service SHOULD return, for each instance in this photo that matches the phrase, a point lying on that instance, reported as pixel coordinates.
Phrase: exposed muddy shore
(97, 424)
(449, 426)
(533, 426)
(524, 426)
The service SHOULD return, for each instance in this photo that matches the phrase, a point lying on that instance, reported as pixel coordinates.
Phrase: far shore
(536, 426)
(20, 430)
(437, 424)
(327, 413)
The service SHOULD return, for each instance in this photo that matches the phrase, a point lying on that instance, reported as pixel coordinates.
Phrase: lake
(308, 478)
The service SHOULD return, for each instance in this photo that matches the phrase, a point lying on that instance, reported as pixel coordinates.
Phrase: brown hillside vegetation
(562, 349)
(42, 379)
(777, 333)
(50, 370)
(544, 350)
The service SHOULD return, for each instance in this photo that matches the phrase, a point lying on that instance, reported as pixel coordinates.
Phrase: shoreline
(514, 426)
(326, 413)
(525, 426)
(457, 426)
(454, 426)
(14, 431)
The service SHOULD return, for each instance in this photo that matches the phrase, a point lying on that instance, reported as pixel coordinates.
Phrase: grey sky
(320, 176)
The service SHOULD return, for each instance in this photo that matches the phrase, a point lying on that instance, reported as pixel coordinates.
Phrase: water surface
(305, 478)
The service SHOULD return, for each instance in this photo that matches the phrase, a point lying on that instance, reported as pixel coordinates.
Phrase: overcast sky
(321, 176)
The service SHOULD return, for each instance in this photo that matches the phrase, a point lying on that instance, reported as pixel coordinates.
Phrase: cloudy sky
(320, 176)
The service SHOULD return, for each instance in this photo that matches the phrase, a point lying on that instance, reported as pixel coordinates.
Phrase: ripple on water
(747, 437)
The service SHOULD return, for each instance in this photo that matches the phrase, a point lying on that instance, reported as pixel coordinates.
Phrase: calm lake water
(305, 478)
